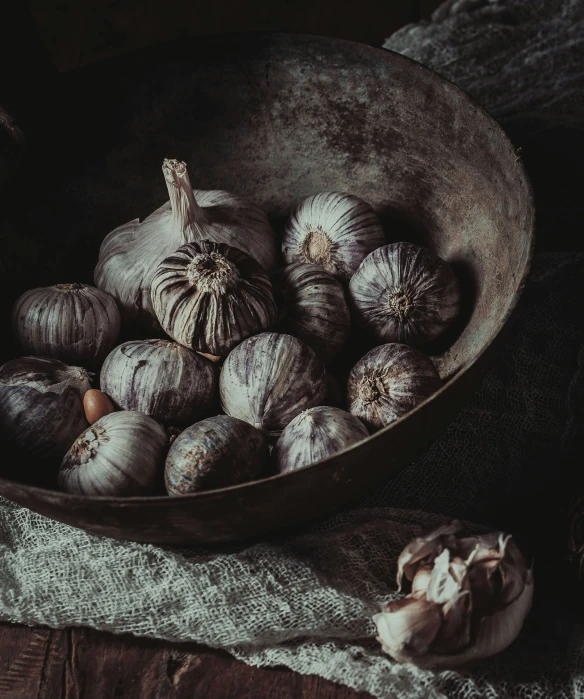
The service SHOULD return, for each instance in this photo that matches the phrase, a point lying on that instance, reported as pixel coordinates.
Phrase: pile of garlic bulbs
(214, 346)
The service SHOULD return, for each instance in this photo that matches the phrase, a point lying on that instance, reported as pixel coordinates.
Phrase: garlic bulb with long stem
(469, 598)
(269, 378)
(334, 230)
(315, 434)
(130, 254)
(405, 293)
(215, 453)
(388, 382)
(75, 323)
(312, 307)
(119, 455)
(41, 405)
(162, 379)
(211, 296)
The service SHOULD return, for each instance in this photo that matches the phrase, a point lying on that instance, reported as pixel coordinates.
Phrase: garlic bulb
(470, 596)
(215, 453)
(269, 378)
(334, 230)
(75, 323)
(405, 293)
(130, 254)
(315, 434)
(162, 379)
(119, 455)
(312, 307)
(388, 382)
(210, 296)
(41, 405)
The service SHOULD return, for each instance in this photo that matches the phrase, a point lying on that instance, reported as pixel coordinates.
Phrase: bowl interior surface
(276, 118)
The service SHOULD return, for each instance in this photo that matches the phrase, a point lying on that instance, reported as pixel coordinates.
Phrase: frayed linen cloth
(305, 601)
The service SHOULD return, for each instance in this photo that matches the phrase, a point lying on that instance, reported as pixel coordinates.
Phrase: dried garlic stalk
(469, 597)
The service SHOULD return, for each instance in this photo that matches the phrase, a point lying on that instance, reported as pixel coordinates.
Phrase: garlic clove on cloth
(334, 230)
(469, 598)
(130, 254)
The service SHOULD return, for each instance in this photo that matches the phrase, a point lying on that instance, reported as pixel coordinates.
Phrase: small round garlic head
(269, 379)
(217, 452)
(119, 455)
(75, 323)
(162, 379)
(316, 434)
(388, 382)
(210, 296)
(333, 230)
(312, 307)
(405, 293)
(41, 405)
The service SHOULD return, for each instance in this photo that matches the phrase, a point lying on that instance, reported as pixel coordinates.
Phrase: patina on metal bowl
(276, 118)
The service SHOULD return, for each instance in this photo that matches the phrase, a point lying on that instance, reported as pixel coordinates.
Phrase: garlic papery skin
(312, 307)
(121, 454)
(162, 379)
(388, 382)
(130, 254)
(215, 453)
(210, 296)
(41, 405)
(473, 599)
(334, 230)
(315, 434)
(75, 323)
(269, 379)
(405, 293)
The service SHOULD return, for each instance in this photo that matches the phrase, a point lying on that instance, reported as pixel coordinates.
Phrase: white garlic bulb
(312, 307)
(470, 596)
(315, 434)
(388, 382)
(334, 230)
(119, 455)
(130, 254)
(41, 405)
(210, 296)
(405, 293)
(162, 379)
(269, 378)
(75, 323)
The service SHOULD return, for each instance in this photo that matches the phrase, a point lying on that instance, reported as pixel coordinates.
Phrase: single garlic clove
(209, 297)
(269, 379)
(334, 230)
(316, 434)
(41, 405)
(130, 254)
(217, 452)
(75, 323)
(388, 382)
(120, 455)
(162, 379)
(405, 293)
(312, 307)
(96, 405)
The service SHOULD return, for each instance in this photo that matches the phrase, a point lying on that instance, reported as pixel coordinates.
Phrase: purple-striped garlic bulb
(211, 296)
(334, 230)
(388, 382)
(269, 379)
(405, 293)
(130, 254)
(312, 307)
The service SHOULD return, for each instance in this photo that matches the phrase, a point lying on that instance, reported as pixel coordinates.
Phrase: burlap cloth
(306, 601)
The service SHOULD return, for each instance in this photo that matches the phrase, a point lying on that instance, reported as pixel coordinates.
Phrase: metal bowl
(274, 117)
